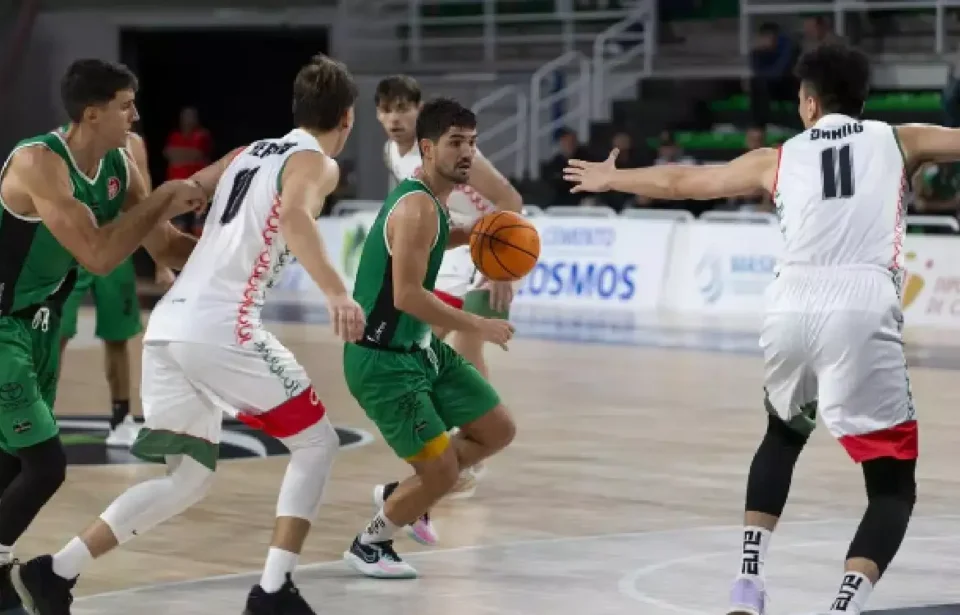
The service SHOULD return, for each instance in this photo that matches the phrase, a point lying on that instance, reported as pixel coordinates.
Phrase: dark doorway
(240, 81)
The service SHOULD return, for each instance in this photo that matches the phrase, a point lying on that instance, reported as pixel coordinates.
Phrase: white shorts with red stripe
(187, 387)
(832, 345)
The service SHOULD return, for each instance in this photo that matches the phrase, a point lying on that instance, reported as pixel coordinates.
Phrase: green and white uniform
(114, 297)
(458, 276)
(412, 385)
(37, 275)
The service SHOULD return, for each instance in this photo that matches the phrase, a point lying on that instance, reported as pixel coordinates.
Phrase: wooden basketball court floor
(622, 493)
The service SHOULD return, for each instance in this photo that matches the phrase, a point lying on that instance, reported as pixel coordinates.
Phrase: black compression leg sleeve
(772, 469)
(9, 469)
(891, 494)
(43, 469)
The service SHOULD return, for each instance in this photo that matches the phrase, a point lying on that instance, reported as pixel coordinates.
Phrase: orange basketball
(504, 246)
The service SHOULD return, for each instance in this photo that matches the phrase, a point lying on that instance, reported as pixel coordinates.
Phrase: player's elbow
(405, 297)
(96, 263)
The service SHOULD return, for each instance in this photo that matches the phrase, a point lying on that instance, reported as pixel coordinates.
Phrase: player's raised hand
(498, 332)
(187, 196)
(347, 317)
(591, 176)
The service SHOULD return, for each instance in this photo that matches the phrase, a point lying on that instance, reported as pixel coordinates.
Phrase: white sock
(854, 591)
(756, 540)
(6, 554)
(71, 559)
(379, 530)
(279, 564)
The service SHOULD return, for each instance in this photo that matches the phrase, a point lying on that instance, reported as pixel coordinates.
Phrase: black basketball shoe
(286, 601)
(43, 591)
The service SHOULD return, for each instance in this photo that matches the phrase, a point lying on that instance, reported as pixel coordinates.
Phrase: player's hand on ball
(591, 176)
(347, 317)
(187, 196)
(496, 331)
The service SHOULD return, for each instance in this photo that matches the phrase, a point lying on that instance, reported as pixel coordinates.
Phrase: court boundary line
(253, 574)
(627, 585)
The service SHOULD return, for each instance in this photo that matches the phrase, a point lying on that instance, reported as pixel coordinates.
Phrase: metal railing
(840, 9)
(517, 123)
(638, 30)
(570, 25)
(574, 94)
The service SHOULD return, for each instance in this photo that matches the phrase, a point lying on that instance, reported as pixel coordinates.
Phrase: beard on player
(457, 172)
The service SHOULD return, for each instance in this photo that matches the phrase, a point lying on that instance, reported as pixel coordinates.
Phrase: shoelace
(386, 549)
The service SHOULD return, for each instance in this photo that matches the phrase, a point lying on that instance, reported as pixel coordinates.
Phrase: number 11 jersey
(218, 296)
(840, 195)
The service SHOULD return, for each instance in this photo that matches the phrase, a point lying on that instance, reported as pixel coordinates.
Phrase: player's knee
(498, 432)
(317, 445)
(45, 465)
(437, 465)
(887, 477)
(784, 437)
(506, 432)
(192, 482)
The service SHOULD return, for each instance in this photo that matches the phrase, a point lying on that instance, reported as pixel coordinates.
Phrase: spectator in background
(754, 138)
(569, 146)
(189, 149)
(817, 31)
(771, 71)
(628, 158)
(951, 93)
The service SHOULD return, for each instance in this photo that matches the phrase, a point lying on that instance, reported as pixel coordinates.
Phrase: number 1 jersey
(219, 294)
(840, 195)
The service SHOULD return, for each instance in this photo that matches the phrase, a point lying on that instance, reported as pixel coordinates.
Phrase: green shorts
(416, 397)
(477, 302)
(28, 380)
(116, 301)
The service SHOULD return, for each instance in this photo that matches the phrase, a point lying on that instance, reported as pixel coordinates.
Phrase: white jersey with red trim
(840, 195)
(218, 296)
(466, 205)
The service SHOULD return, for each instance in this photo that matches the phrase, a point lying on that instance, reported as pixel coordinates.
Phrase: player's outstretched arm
(209, 176)
(308, 179)
(750, 172)
(43, 176)
(167, 245)
(928, 143)
(492, 185)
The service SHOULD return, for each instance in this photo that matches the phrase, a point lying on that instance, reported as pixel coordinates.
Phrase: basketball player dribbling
(459, 284)
(831, 334)
(410, 383)
(206, 351)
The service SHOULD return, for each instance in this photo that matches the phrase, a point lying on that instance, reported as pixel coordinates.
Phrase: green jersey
(388, 327)
(33, 264)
